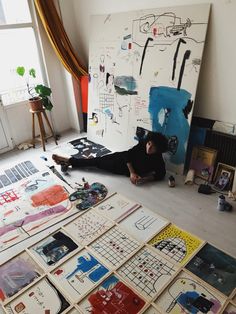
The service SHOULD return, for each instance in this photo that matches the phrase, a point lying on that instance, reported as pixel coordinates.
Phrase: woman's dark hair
(159, 140)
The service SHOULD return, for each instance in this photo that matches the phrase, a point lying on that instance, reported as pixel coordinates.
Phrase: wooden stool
(43, 138)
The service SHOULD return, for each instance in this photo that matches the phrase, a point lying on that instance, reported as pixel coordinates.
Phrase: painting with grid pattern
(176, 243)
(115, 246)
(147, 272)
(88, 227)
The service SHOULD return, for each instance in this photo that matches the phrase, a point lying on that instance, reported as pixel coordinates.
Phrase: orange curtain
(58, 37)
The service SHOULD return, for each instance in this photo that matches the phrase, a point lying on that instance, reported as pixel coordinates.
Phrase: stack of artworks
(143, 73)
(96, 264)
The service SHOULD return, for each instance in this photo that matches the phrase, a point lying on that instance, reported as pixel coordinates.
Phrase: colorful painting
(143, 224)
(16, 274)
(79, 274)
(88, 227)
(89, 195)
(176, 243)
(143, 69)
(215, 267)
(112, 296)
(230, 309)
(147, 272)
(43, 297)
(117, 207)
(115, 246)
(53, 248)
(188, 295)
(31, 205)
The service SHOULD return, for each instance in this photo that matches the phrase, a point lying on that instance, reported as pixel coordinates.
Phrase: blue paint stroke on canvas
(166, 107)
(125, 85)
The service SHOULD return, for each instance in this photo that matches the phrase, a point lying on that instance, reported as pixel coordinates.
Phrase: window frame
(35, 27)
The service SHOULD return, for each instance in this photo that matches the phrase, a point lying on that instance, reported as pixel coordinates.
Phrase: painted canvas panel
(215, 267)
(53, 248)
(176, 243)
(79, 274)
(188, 295)
(147, 272)
(230, 309)
(88, 227)
(32, 205)
(143, 69)
(43, 297)
(117, 207)
(16, 274)
(143, 224)
(115, 246)
(112, 296)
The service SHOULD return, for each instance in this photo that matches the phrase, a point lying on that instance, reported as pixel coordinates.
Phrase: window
(19, 47)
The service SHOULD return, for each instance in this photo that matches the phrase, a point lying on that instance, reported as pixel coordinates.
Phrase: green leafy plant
(36, 91)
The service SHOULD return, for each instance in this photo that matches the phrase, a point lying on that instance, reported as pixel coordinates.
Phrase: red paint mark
(31, 294)
(155, 31)
(19, 307)
(9, 240)
(130, 46)
(47, 311)
(8, 197)
(50, 196)
(8, 213)
(2, 296)
(58, 272)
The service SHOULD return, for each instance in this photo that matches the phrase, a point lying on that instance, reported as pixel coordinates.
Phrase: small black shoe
(171, 182)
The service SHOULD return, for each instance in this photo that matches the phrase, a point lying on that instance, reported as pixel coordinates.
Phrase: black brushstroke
(123, 91)
(181, 41)
(188, 108)
(186, 56)
(144, 52)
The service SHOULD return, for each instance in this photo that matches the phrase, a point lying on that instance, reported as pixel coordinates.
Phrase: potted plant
(39, 94)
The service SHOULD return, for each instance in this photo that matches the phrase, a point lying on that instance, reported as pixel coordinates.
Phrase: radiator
(225, 144)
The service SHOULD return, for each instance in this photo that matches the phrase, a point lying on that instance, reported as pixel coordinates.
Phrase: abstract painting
(143, 72)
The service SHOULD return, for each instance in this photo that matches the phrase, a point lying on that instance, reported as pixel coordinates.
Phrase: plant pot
(36, 104)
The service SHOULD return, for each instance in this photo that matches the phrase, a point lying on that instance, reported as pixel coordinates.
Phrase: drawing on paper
(176, 243)
(16, 274)
(144, 67)
(187, 295)
(215, 267)
(43, 297)
(79, 274)
(147, 272)
(53, 248)
(88, 227)
(117, 207)
(143, 224)
(112, 296)
(115, 246)
(32, 205)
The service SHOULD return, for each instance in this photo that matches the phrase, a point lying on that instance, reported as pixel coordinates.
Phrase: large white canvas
(144, 69)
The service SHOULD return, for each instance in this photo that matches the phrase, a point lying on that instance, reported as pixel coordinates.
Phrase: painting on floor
(176, 243)
(188, 295)
(112, 296)
(143, 72)
(215, 267)
(31, 205)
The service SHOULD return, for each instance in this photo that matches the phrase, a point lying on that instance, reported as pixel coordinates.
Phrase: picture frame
(224, 177)
(203, 162)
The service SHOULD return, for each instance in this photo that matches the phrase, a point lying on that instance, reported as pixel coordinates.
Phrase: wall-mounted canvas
(143, 70)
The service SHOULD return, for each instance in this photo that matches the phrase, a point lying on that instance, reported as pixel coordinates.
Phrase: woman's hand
(134, 177)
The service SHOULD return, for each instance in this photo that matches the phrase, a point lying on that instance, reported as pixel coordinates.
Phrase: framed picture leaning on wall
(224, 177)
(203, 162)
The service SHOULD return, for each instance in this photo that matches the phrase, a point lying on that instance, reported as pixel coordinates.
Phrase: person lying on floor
(142, 163)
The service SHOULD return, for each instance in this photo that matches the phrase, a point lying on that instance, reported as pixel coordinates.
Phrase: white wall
(216, 94)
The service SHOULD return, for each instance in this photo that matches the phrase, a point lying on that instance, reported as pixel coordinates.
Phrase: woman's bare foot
(60, 160)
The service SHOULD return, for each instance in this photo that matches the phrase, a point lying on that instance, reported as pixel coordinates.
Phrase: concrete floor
(182, 205)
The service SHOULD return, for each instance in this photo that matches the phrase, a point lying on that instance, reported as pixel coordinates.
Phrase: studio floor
(181, 205)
